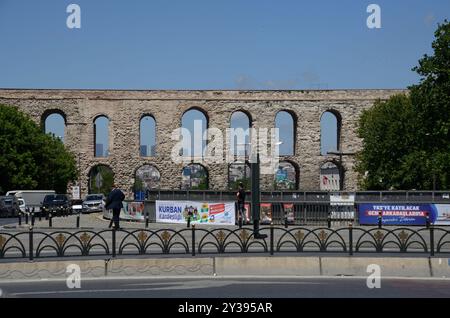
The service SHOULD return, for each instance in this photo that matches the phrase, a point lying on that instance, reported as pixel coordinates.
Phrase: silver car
(93, 203)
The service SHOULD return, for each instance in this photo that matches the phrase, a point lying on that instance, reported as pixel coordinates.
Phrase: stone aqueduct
(124, 109)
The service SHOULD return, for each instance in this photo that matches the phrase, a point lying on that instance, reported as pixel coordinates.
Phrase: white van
(30, 198)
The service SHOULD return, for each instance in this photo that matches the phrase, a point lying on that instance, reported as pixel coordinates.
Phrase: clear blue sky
(205, 44)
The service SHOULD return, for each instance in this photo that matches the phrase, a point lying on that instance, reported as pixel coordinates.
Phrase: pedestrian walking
(241, 204)
(114, 202)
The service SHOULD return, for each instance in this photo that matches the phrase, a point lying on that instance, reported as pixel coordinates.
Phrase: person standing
(114, 202)
(241, 204)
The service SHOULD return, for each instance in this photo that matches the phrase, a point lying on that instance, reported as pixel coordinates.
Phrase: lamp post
(256, 193)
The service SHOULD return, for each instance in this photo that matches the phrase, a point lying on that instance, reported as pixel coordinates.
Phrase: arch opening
(194, 177)
(195, 124)
(241, 123)
(101, 136)
(286, 123)
(147, 129)
(286, 176)
(330, 131)
(147, 178)
(101, 180)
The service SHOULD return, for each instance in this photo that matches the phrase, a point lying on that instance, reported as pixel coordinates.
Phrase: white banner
(220, 213)
(342, 198)
(76, 193)
(443, 214)
(130, 211)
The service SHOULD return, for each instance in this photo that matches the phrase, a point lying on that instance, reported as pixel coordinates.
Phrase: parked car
(76, 206)
(93, 203)
(9, 206)
(57, 204)
(30, 200)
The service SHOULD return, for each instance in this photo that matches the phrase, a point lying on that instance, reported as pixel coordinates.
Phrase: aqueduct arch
(125, 109)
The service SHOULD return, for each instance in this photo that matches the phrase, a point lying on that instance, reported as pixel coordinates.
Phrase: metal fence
(304, 196)
(310, 208)
(194, 241)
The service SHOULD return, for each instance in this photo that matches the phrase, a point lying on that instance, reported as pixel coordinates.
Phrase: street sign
(76, 192)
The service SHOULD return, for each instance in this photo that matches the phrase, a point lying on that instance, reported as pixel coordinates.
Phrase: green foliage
(101, 180)
(407, 138)
(29, 158)
(203, 185)
(235, 184)
(138, 185)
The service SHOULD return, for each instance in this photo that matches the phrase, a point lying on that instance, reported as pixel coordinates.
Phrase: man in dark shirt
(241, 203)
(114, 202)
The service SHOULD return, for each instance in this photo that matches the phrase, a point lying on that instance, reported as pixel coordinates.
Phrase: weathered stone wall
(125, 109)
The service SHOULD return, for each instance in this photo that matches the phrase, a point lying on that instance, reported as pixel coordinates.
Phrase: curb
(282, 266)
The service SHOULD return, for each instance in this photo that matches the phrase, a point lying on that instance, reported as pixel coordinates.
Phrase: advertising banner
(404, 214)
(342, 206)
(289, 211)
(76, 193)
(443, 214)
(130, 211)
(342, 199)
(247, 211)
(220, 213)
(266, 213)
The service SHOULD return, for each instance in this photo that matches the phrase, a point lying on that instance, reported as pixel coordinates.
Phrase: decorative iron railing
(347, 240)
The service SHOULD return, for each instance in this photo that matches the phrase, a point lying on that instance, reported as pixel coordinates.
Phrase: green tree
(235, 184)
(386, 131)
(406, 139)
(29, 158)
(101, 180)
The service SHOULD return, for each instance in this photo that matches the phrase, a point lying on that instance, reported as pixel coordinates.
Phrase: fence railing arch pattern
(346, 240)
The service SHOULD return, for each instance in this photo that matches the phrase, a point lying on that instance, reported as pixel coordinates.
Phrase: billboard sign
(289, 211)
(266, 213)
(130, 211)
(404, 214)
(220, 213)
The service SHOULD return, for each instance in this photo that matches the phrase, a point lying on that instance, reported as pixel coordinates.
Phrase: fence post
(114, 242)
(350, 238)
(193, 239)
(432, 240)
(271, 238)
(379, 220)
(329, 219)
(305, 219)
(32, 217)
(30, 243)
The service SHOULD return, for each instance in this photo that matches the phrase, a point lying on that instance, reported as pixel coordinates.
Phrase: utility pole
(256, 198)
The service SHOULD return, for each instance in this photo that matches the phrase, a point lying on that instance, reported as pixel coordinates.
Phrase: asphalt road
(269, 287)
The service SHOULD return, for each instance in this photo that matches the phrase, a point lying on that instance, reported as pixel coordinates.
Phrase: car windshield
(93, 197)
(55, 197)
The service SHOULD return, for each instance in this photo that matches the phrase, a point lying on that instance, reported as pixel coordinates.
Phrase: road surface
(254, 287)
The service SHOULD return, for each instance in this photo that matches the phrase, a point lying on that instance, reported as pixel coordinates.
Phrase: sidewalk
(286, 266)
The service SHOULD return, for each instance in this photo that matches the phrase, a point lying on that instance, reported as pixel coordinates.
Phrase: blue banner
(396, 214)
